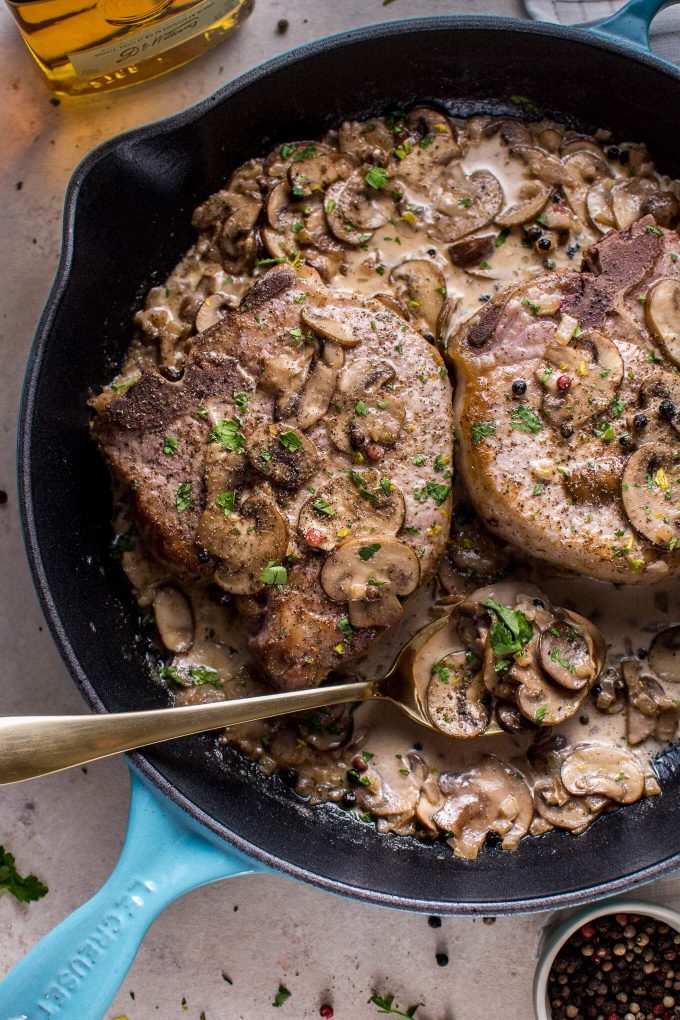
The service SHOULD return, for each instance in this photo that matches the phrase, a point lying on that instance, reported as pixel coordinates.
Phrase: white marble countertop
(69, 827)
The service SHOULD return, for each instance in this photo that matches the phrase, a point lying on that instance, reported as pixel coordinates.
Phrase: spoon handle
(32, 746)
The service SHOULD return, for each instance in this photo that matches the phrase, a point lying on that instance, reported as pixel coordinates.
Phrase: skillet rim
(151, 774)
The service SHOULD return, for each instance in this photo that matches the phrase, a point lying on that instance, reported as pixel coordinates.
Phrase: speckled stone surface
(259, 931)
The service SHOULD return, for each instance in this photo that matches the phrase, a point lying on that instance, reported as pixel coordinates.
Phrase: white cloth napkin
(665, 34)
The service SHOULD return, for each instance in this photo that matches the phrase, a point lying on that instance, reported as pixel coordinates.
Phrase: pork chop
(567, 410)
(303, 460)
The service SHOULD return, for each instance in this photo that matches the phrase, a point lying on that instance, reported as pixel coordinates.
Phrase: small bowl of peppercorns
(616, 960)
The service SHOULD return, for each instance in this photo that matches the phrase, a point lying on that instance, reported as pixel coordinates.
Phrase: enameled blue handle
(76, 970)
(631, 22)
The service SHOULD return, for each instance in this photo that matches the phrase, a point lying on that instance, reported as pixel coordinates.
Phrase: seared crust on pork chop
(567, 410)
(303, 422)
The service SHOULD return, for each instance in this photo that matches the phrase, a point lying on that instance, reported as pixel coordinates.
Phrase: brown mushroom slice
(456, 699)
(376, 420)
(368, 142)
(593, 366)
(568, 654)
(650, 491)
(513, 132)
(599, 204)
(588, 168)
(466, 206)
(213, 309)
(594, 481)
(546, 167)
(489, 796)
(364, 375)
(285, 375)
(353, 209)
(174, 619)
(318, 391)
(421, 286)
(664, 207)
(333, 322)
(369, 575)
(628, 199)
(551, 799)
(390, 791)
(532, 197)
(470, 251)
(664, 654)
(317, 172)
(510, 719)
(649, 711)
(662, 312)
(574, 143)
(390, 301)
(236, 239)
(252, 538)
(341, 507)
(605, 771)
(283, 454)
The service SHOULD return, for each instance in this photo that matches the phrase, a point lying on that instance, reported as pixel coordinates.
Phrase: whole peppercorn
(171, 373)
(519, 388)
(563, 382)
(289, 777)
(349, 800)
(442, 960)
(544, 244)
(533, 233)
(434, 921)
(640, 421)
(666, 408)
(624, 157)
(613, 152)
(326, 1011)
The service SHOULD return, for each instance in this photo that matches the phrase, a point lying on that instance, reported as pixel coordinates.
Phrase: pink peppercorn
(563, 382)
(588, 930)
(613, 1016)
(326, 1012)
(373, 452)
(314, 538)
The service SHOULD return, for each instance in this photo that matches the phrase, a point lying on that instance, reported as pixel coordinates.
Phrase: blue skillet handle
(76, 970)
(631, 22)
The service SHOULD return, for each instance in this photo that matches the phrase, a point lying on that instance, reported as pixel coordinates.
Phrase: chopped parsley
(24, 888)
(286, 151)
(440, 462)
(281, 996)
(273, 573)
(385, 1005)
(465, 202)
(323, 508)
(541, 713)
(306, 153)
(195, 676)
(556, 656)
(510, 632)
(376, 177)
(226, 501)
(241, 399)
(368, 551)
(183, 497)
(228, 435)
(290, 440)
(605, 431)
(501, 238)
(533, 305)
(439, 493)
(361, 409)
(386, 485)
(480, 430)
(441, 671)
(170, 446)
(618, 407)
(346, 629)
(537, 489)
(527, 105)
(525, 420)
(651, 229)
(419, 460)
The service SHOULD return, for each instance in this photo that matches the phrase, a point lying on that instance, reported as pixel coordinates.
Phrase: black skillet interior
(128, 221)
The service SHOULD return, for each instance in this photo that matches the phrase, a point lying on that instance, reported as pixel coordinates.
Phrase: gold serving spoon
(32, 746)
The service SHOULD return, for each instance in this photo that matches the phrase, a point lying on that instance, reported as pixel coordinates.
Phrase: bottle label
(140, 46)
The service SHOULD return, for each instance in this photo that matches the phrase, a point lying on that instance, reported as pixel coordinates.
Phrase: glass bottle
(86, 46)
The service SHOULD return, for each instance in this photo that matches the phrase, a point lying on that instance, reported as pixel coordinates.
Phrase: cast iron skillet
(128, 212)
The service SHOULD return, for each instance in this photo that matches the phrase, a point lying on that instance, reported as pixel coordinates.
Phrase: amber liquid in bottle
(86, 46)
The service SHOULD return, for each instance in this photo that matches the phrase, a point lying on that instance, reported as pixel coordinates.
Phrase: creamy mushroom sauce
(511, 213)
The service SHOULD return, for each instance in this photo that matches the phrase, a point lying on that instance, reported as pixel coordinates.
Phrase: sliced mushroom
(421, 286)
(353, 209)
(649, 711)
(341, 508)
(457, 701)
(587, 168)
(426, 163)
(467, 205)
(472, 250)
(317, 172)
(174, 618)
(532, 197)
(650, 491)
(369, 576)
(293, 225)
(367, 142)
(252, 538)
(513, 132)
(605, 771)
(594, 481)
(546, 167)
(567, 653)
(610, 694)
(472, 551)
(390, 301)
(375, 419)
(664, 207)
(662, 311)
(224, 476)
(333, 322)
(318, 390)
(490, 796)
(551, 799)
(664, 654)
(574, 143)
(580, 378)
(282, 454)
(628, 199)
(599, 204)
(364, 375)
(285, 375)
(213, 309)
(390, 791)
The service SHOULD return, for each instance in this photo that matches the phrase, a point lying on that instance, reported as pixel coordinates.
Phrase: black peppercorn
(666, 408)
(350, 799)
(624, 156)
(442, 959)
(432, 252)
(3, 497)
(203, 556)
(613, 152)
(533, 233)
(282, 26)
(545, 244)
(519, 387)
(624, 440)
(434, 922)
(289, 777)
(640, 421)
(557, 196)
